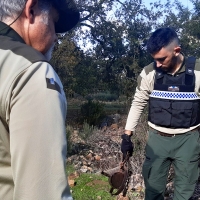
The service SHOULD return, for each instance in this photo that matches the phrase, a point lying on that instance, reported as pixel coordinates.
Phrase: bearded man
(171, 86)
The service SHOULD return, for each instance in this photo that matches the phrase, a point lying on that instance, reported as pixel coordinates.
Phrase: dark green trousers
(182, 151)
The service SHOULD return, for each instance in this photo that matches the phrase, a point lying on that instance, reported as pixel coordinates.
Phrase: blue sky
(184, 2)
(147, 4)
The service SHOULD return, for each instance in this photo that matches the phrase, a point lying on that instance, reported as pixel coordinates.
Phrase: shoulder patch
(53, 85)
(149, 68)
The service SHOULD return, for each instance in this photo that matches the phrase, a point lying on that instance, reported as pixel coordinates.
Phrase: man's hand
(126, 145)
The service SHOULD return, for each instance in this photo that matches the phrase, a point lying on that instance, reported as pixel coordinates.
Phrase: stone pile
(101, 152)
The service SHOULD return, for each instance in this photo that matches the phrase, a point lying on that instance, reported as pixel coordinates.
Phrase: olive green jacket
(32, 124)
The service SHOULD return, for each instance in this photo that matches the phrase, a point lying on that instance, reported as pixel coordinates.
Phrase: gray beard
(48, 54)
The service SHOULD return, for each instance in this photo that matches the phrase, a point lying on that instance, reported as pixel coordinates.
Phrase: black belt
(171, 135)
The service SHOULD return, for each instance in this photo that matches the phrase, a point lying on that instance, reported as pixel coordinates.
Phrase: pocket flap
(159, 104)
(182, 105)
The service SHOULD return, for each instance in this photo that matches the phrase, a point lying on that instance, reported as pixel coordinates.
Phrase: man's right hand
(126, 145)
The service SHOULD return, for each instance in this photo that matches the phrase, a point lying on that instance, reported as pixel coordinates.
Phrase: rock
(114, 126)
(84, 169)
(97, 157)
(72, 177)
(71, 183)
(104, 128)
(76, 132)
(138, 187)
(90, 169)
(84, 162)
(120, 197)
(89, 164)
(89, 156)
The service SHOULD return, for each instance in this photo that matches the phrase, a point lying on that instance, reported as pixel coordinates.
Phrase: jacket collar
(182, 68)
(6, 30)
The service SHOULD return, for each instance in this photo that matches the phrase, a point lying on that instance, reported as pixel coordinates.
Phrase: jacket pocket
(193, 170)
(160, 112)
(181, 114)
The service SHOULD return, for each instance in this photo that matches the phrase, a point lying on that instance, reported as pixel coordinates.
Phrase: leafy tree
(65, 57)
(85, 74)
(107, 50)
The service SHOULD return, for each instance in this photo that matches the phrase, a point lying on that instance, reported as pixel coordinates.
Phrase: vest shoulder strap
(189, 70)
(159, 75)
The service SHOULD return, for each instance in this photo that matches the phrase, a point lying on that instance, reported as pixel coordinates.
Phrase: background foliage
(106, 51)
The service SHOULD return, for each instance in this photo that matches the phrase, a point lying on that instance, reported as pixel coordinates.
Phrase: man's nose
(158, 64)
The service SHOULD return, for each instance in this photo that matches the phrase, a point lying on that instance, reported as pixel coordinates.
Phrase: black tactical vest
(173, 102)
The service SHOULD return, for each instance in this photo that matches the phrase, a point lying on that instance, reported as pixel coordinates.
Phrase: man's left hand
(126, 145)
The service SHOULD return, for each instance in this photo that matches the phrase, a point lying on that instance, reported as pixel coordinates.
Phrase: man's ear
(30, 10)
(177, 50)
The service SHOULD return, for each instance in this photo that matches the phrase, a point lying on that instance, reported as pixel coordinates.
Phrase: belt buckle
(174, 135)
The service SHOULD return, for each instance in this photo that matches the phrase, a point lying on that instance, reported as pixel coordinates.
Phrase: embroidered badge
(190, 71)
(51, 84)
(173, 88)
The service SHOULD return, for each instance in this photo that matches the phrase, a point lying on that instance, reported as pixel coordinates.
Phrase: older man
(33, 103)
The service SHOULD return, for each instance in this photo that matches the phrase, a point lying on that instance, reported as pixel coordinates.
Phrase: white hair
(45, 17)
(11, 9)
(48, 54)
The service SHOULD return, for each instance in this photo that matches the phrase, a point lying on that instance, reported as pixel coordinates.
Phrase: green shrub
(87, 131)
(70, 168)
(92, 112)
(102, 96)
(69, 131)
